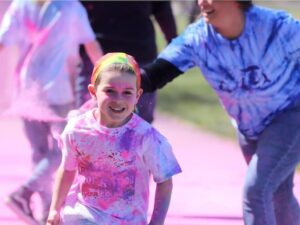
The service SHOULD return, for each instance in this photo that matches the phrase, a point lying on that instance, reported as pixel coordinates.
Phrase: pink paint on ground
(208, 192)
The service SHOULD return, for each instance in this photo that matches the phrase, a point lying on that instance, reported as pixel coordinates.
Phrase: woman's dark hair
(245, 4)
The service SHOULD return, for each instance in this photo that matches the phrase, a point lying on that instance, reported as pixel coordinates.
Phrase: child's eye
(109, 91)
(127, 92)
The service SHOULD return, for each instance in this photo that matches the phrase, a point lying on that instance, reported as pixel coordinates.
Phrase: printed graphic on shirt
(108, 178)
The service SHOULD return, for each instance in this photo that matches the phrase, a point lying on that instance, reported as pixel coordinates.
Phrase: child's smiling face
(116, 97)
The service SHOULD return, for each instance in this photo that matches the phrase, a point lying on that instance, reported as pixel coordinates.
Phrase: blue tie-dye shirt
(256, 76)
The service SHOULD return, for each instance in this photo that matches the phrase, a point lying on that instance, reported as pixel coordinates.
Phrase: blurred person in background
(188, 10)
(250, 56)
(194, 12)
(48, 34)
(127, 26)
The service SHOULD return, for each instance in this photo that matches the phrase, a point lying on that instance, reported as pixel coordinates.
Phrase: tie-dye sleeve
(67, 145)
(181, 51)
(159, 157)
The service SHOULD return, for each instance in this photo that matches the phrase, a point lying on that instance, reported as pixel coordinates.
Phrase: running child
(113, 152)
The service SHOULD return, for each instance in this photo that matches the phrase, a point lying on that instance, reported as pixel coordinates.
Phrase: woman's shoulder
(264, 14)
(267, 21)
(194, 33)
(199, 27)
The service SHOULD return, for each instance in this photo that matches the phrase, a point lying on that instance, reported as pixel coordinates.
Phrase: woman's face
(217, 12)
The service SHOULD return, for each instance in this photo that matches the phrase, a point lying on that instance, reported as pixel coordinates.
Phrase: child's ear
(139, 93)
(92, 90)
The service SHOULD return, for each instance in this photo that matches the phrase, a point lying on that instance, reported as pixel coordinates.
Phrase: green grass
(191, 99)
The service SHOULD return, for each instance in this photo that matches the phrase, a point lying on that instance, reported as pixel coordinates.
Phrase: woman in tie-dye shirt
(114, 152)
(250, 56)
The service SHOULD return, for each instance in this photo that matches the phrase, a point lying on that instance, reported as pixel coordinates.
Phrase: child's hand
(53, 218)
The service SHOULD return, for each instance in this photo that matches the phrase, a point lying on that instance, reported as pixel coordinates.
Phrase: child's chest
(98, 151)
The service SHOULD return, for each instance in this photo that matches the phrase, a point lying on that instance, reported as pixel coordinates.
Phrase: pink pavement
(208, 192)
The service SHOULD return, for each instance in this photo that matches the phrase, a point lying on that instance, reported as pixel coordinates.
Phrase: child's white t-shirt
(114, 166)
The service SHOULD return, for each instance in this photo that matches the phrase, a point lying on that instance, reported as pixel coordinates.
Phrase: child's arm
(162, 200)
(63, 182)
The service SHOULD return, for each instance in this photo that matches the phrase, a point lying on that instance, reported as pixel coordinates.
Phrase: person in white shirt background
(48, 34)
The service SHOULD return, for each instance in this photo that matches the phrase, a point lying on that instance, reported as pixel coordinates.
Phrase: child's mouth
(117, 109)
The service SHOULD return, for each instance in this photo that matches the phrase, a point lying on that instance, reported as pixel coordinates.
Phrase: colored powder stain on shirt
(127, 140)
(117, 182)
